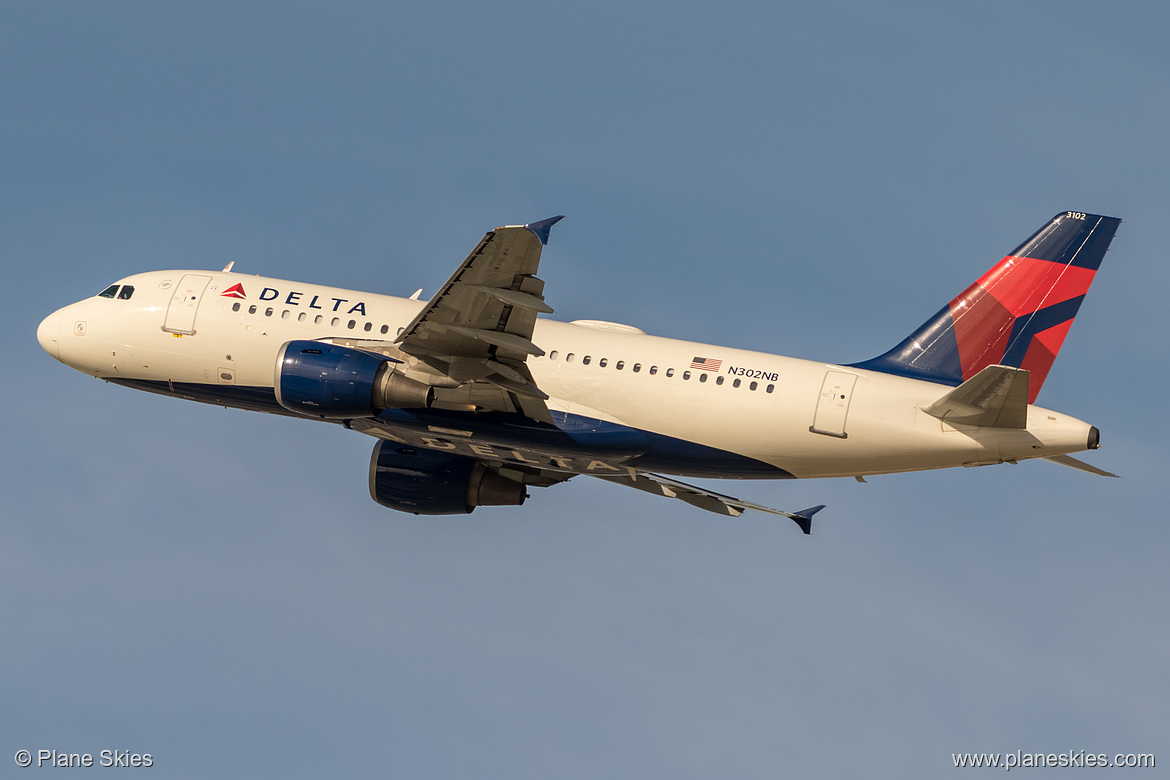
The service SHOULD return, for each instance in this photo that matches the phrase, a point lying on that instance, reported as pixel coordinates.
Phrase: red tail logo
(235, 291)
(1017, 314)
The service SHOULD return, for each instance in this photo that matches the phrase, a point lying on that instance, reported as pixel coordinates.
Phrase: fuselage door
(833, 404)
(185, 303)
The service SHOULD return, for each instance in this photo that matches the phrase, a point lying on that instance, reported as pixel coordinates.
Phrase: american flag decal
(706, 364)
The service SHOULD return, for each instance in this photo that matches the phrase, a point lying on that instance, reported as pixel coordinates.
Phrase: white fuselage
(807, 418)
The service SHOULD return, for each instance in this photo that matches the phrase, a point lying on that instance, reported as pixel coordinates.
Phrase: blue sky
(216, 588)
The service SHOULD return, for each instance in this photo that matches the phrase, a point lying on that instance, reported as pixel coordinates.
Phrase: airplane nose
(48, 334)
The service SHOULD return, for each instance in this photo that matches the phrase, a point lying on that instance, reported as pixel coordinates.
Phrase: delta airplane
(474, 399)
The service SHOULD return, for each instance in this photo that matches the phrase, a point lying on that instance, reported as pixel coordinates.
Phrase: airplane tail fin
(1017, 314)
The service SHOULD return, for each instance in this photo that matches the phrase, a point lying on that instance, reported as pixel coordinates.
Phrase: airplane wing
(478, 327)
(705, 499)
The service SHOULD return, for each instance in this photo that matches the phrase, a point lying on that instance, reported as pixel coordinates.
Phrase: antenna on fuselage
(417, 293)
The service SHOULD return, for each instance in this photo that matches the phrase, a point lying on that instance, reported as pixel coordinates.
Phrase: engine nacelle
(330, 381)
(425, 482)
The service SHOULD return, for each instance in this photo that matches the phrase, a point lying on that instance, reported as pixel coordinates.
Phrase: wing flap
(517, 298)
(705, 499)
(509, 341)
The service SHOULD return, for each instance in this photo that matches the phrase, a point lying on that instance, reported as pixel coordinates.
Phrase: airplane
(474, 399)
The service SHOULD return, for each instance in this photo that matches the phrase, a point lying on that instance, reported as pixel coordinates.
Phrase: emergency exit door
(185, 303)
(833, 404)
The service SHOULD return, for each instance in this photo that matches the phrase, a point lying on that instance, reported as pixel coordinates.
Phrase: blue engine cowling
(330, 381)
(425, 482)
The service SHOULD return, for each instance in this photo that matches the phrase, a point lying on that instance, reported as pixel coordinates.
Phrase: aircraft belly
(575, 443)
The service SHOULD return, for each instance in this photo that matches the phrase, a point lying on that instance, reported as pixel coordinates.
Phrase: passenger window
(109, 292)
(736, 383)
(686, 375)
(385, 329)
(284, 314)
(352, 323)
(369, 326)
(569, 358)
(236, 306)
(268, 312)
(318, 319)
(552, 355)
(719, 380)
(251, 309)
(670, 372)
(585, 360)
(336, 321)
(702, 377)
(653, 370)
(601, 363)
(400, 331)
(637, 367)
(770, 388)
(753, 385)
(302, 317)
(620, 365)
(127, 291)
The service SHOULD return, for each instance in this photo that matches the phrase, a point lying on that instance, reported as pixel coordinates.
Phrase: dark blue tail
(1017, 314)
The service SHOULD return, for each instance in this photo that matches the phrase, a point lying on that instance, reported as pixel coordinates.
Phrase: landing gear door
(185, 303)
(833, 404)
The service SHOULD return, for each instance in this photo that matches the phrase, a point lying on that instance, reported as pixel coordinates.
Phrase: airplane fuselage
(619, 398)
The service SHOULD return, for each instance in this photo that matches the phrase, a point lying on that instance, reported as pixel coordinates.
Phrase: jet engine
(334, 382)
(425, 482)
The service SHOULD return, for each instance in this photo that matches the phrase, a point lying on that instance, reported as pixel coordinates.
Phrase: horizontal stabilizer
(1073, 463)
(706, 499)
(996, 397)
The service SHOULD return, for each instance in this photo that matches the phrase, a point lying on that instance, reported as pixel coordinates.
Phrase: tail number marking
(752, 373)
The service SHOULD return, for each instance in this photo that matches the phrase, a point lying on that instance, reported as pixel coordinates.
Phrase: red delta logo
(294, 299)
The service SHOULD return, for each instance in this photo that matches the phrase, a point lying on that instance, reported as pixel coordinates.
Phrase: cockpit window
(127, 291)
(109, 292)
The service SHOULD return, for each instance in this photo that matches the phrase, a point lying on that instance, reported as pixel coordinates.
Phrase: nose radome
(48, 333)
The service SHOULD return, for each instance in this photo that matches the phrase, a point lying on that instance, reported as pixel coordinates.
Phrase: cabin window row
(317, 320)
(703, 376)
(570, 357)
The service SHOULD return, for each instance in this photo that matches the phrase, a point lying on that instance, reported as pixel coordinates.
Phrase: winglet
(804, 517)
(541, 229)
